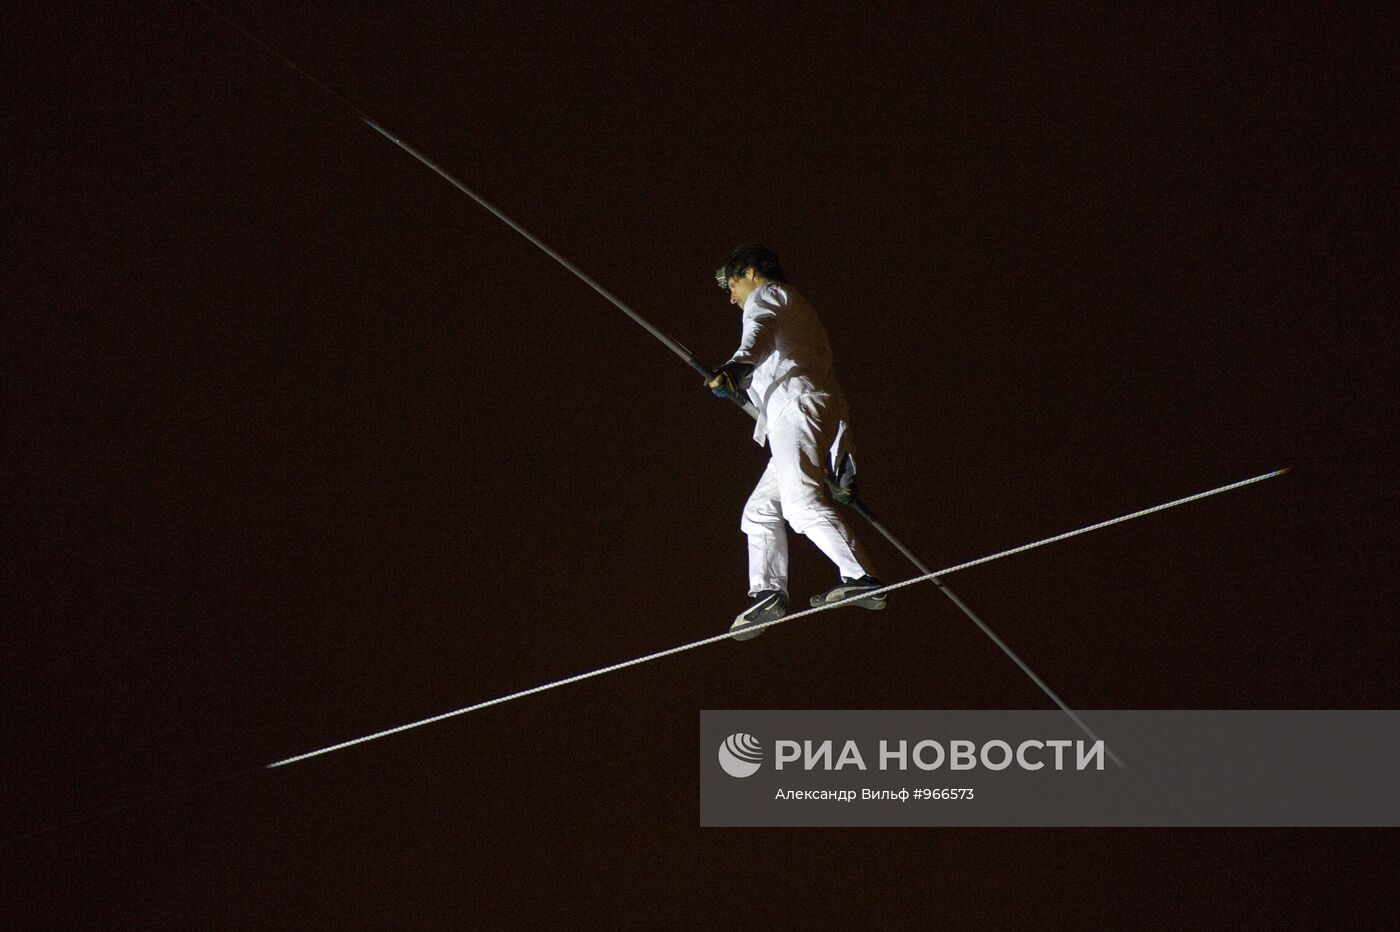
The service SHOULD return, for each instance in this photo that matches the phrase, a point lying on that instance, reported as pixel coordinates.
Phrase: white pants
(793, 488)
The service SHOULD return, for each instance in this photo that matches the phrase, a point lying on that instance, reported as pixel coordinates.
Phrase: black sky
(303, 444)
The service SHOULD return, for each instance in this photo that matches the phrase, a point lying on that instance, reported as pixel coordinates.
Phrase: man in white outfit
(784, 368)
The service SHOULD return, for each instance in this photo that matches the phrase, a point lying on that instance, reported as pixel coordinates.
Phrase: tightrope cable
(694, 363)
(928, 577)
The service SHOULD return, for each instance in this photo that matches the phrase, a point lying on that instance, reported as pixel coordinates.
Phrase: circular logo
(740, 755)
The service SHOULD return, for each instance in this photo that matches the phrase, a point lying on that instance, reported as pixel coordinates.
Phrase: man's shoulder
(773, 296)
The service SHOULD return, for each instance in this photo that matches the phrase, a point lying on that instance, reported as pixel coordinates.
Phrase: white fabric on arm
(756, 336)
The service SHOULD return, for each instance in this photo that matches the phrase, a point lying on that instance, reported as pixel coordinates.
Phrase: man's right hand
(729, 379)
(722, 385)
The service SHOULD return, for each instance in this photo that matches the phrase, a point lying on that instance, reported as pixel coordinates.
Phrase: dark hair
(756, 256)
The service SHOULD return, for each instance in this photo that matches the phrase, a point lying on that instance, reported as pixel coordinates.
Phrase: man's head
(748, 267)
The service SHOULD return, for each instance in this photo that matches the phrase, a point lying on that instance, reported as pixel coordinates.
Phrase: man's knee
(806, 504)
(760, 513)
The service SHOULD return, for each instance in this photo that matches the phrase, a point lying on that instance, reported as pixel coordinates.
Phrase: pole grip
(740, 400)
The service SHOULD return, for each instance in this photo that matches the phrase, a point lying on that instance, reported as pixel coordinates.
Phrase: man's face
(741, 288)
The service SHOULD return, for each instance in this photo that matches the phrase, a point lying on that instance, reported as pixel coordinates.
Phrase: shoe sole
(742, 629)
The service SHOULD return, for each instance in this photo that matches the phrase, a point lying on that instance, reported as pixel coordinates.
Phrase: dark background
(304, 444)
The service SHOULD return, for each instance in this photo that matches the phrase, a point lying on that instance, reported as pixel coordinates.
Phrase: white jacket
(785, 342)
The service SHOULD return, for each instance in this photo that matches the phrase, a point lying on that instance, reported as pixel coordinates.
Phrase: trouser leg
(768, 546)
(801, 438)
